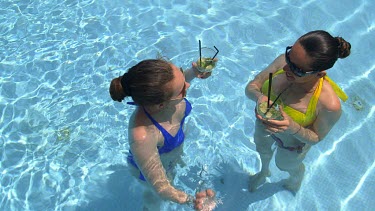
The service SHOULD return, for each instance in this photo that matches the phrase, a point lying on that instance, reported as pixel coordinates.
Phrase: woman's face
(178, 85)
(298, 63)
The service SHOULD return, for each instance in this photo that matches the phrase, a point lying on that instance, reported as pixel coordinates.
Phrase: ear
(161, 106)
(321, 74)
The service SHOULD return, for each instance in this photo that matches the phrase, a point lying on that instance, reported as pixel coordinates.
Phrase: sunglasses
(296, 71)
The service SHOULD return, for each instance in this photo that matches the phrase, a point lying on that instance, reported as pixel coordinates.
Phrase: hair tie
(339, 45)
(339, 40)
(125, 84)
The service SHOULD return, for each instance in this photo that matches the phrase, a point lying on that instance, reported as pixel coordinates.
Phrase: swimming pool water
(63, 141)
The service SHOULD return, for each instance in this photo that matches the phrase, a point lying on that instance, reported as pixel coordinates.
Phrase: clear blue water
(63, 140)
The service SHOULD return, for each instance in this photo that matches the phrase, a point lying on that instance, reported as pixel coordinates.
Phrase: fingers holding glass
(206, 61)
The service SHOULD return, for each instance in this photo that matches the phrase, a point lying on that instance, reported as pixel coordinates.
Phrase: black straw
(217, 51)
(268, 109)
(269, 90)
(200, 54)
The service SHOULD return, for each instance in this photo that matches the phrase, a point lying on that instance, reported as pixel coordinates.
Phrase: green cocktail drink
(205, 64)
(273, 112)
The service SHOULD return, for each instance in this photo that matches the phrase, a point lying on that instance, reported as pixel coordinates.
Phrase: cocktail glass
(269, 113)
(206, 61)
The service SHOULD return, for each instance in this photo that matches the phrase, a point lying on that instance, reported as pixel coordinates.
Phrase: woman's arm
(328, 115)
(253, 88)
(322, 125)
(193, 72)
(144, 150)
(326, 119)
(190, 74)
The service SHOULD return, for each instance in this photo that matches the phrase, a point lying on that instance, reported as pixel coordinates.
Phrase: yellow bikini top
(309, 117)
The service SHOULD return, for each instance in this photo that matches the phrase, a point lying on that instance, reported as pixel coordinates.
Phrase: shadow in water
(121, 192)
(231, 184)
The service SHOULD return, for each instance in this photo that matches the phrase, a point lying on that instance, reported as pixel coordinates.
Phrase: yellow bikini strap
(278, 72)
(340, 93)
(310, 112)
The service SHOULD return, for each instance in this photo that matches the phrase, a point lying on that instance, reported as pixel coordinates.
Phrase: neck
(154, 109)
(307, 87)
(161, 114)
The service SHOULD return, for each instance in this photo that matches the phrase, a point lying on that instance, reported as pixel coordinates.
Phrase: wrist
(193, 70)
(190, 74)
(297, 130)
(259, 96)
(189, 199)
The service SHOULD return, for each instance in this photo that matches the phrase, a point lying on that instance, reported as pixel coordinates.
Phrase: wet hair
(145, 83)
(324, 49)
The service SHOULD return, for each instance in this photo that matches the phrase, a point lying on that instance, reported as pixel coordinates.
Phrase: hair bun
(125, 84)
(116, 91)
(343, 47)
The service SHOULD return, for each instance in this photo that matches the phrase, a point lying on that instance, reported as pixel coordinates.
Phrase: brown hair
(324, 49)
(145, 83)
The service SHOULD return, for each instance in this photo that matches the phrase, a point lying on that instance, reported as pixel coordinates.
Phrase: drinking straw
(269, 90)
(217, 51)
(200, 53)
(277, 98)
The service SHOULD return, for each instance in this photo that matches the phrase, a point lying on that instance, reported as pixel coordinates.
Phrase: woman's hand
(202, 75)
(287, 125)
(262, 98)
(205, 199)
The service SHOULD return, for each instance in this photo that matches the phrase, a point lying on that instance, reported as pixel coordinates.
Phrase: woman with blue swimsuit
(158, 89)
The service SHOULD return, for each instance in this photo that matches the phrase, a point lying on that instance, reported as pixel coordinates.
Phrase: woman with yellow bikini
(309, 99)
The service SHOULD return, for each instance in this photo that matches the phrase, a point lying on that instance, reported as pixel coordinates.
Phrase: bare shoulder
(277, 64)
(328, 99)
(138, 128)
(137, 134)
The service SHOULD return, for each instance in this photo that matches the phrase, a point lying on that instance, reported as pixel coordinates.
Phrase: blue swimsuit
(170, 142)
